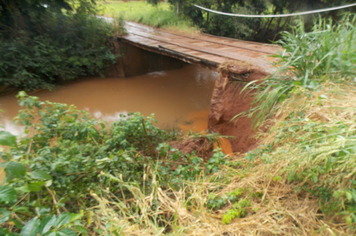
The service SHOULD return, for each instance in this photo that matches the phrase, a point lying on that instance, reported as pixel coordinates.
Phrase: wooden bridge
(202, 49)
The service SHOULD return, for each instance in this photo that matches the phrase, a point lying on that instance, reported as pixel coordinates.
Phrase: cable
(282, 15)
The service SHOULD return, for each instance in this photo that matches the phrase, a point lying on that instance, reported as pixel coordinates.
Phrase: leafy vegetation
(43, 44)
(66, 153)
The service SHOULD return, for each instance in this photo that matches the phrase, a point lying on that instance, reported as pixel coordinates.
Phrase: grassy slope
(159, 16)
(290, 189)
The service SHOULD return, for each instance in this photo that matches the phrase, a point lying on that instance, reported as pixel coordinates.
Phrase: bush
(44, 44)
(67, 159)
(74, 46)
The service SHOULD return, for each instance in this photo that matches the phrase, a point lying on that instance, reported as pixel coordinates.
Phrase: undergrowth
(68, 161)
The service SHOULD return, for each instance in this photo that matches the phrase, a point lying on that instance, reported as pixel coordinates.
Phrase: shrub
(40, 46)
(68, 159)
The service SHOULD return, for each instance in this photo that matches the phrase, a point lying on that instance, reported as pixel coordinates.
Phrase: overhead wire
(278, 15)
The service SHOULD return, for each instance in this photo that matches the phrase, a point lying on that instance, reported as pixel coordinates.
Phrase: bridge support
(133, 61)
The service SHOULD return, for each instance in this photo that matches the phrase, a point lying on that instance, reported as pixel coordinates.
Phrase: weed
(238, 210)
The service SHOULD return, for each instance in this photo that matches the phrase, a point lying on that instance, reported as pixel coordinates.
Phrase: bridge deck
(199, 48)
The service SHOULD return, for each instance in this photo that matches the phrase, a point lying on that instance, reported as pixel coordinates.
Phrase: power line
(281, 15)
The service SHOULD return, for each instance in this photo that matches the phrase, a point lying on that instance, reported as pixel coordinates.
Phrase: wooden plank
(204, 49)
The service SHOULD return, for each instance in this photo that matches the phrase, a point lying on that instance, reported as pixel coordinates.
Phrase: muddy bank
(227, 101)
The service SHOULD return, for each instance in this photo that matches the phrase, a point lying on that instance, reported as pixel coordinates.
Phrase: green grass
(160, 16)
(312, 99)
(308, 59)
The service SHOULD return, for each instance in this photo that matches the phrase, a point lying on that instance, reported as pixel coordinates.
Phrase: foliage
(153, 2)
(160, 15)
(216, 202)
(238, 211)
(44, 44)
(256, 29)
(65, 153)
(306, 61)
(312, 97)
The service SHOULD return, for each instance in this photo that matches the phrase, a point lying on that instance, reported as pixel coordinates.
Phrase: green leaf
(5, 214)
(7, 194)
(63, 219)
(31, 228)
(35, 187)
(349, 196)
(81, 229)
(314, 178)
(24, 188)
(15, 169)
(48, 183)
(46, 224)
(348, 220)
(41, 174)
(31, 187)
(277, 178)
(7, 139)
(74, 217)
(67, 232)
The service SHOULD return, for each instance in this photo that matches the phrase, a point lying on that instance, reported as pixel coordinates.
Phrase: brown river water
(177, 98)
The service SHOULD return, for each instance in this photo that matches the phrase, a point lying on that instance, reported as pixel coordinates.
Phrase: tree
(153, 2)
(256, 29)
(43, 42)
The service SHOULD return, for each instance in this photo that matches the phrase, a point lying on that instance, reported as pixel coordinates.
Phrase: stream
(176, 97)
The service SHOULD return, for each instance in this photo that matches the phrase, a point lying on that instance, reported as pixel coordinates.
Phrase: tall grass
(160, 16)
(314, 139)
(312, 99)
(307, 59)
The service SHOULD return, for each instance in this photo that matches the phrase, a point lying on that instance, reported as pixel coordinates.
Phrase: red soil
(228, 101)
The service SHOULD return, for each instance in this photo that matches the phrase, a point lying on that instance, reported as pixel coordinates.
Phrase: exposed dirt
(202, 147)
(227, 101)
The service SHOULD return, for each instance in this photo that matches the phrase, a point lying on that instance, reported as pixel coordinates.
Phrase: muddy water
(177, 97)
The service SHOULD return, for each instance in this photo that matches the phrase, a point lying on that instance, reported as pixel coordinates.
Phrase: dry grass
(281, 209)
